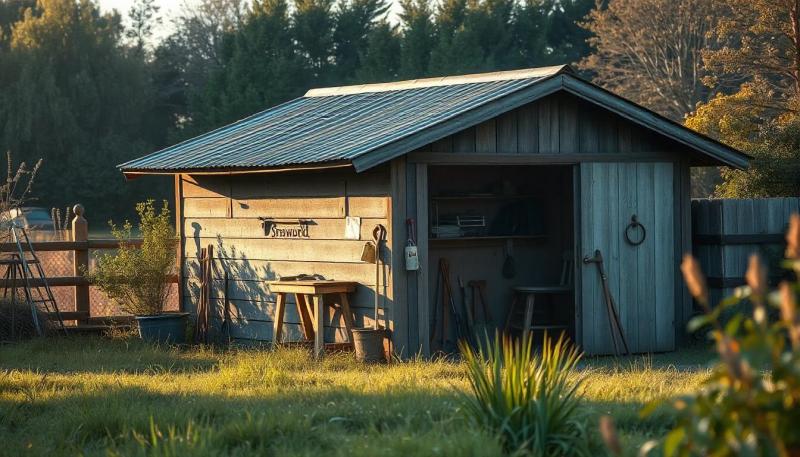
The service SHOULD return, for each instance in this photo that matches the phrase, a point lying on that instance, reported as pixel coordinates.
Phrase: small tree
(136, 278)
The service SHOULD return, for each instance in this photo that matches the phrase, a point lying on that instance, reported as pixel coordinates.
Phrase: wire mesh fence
(60, 264)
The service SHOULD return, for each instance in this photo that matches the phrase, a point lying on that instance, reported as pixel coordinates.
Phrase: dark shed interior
(508, 226)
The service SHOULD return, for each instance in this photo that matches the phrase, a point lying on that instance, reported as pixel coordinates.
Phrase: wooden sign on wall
(285, 229)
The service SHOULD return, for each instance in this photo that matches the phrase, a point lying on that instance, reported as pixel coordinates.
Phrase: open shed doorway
(505, 227)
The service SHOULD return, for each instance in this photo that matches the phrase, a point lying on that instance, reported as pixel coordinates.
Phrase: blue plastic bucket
(168, 328)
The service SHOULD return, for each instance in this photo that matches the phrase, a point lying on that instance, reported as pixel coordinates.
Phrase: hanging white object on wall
(352, 228)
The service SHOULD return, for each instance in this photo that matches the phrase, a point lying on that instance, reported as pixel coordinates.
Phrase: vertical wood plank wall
(224, 212)
(564, 124)
(725, 260)
(641, 278)
(557, 124)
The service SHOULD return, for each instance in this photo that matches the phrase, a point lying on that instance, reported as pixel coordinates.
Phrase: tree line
(86, 90)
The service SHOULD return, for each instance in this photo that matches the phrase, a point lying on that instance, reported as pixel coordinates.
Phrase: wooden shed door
(641, 278)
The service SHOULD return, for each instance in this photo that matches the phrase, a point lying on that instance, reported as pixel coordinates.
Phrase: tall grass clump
(529, 400)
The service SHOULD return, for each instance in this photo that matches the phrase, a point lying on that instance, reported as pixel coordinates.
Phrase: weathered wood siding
(641, 278)
(560, 123)
(565, 129)
(728, 231)
(224, 212)
(410, 201)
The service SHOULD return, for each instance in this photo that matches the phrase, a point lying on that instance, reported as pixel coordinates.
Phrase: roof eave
(133, 173)
(570, 82)
(721, 153)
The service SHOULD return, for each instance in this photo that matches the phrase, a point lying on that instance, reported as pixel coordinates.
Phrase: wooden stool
(530, 294)
(309, 299)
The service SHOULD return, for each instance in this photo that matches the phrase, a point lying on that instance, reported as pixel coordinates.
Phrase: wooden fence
(725, 232)
(64, 257)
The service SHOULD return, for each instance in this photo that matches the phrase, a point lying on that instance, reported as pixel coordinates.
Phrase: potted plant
(136, 278)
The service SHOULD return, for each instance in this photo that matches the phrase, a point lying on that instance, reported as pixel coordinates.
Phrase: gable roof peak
(526, 73)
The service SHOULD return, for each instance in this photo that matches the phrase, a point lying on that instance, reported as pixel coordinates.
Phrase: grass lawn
(92, 396)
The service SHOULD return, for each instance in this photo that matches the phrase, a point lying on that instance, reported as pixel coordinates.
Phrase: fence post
(80, 232)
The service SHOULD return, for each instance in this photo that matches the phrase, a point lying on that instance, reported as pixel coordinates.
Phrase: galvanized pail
(368, 343)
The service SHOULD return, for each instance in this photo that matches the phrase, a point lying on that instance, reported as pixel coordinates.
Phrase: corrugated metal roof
(338, 124)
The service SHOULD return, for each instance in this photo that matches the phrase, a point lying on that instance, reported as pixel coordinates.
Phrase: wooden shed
(511, 177)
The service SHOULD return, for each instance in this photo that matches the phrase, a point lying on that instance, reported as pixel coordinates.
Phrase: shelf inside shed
(523, 221)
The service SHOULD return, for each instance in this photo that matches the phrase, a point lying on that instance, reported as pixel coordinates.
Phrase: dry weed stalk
(15, 191)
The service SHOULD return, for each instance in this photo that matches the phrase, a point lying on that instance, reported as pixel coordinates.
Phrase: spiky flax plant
(530, 400)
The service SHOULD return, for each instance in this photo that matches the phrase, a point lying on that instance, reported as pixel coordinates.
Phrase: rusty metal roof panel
(338, 124)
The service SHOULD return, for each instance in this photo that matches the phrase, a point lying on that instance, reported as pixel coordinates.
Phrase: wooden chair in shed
(535, 316)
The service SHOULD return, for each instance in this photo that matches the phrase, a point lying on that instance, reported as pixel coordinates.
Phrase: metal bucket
(368, 343)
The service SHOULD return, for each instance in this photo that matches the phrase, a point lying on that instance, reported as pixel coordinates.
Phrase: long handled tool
(206, 270)
(435, 311)
(482, 328)
(378, 235)
(611, 308)
(478, 287)
(469, 313)
(226, 312)
(447, 296)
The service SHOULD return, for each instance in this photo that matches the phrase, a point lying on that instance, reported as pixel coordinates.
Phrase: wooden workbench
(311, 308)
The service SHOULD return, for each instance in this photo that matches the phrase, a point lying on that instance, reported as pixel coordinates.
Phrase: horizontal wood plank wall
(224, 212)
(560, 123)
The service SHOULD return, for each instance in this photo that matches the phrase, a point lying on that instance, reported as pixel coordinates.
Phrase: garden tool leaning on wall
(372, 254)
(201, 330)
(448, 308)
(611, 308)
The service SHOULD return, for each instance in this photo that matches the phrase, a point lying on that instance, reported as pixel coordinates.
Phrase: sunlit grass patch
(122, 397)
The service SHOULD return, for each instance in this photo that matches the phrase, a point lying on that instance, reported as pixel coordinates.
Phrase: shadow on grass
(92, 354)
(309, 423)
(691, 359)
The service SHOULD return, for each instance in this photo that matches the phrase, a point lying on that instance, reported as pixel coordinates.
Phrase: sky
(169, 8)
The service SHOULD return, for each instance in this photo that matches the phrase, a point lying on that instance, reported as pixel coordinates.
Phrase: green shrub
(751, 404)
(136, 279)
(530, 401)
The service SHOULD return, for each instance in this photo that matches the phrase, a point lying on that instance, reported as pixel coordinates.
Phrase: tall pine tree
(355, 21)
(259, 68)
(418, 38)
(313, 32)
